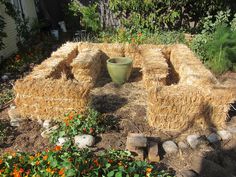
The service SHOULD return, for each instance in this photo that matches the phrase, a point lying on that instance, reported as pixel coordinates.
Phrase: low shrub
(73, 124)
(63, 162)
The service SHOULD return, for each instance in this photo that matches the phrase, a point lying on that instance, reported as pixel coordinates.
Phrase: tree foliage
(153, 14)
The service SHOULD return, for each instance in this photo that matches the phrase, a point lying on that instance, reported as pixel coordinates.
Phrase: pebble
(62, 141)
(193, 140)
(5, 78)
(224, 134)
(14, 117)
(46, 133)
(46, 124)
(84, 141)
(182, 145)
(170, 147)
(213, 138)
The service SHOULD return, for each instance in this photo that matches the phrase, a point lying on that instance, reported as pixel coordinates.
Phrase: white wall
(10, 29)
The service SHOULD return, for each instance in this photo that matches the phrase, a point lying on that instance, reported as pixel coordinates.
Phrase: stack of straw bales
(155, 68)
(49, 91)
(86, 67)
(196, 99)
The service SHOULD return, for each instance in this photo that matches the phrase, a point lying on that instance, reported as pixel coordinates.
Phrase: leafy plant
(221, 50)
(90, 16)
(74, 124)
(61, 162)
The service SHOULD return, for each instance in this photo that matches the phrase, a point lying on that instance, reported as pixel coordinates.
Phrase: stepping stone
(224, 134)
(153, 152)
(182, 145)
(213, 138)
(170, 147)
(136, 140)
(193, 140)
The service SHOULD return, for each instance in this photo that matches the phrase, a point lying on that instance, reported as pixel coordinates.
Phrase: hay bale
(86, 67)
(155, 68)
(174, 108)
(49, 98)
(134, 52)
(190, 69)
(219, 100)
(110, 49)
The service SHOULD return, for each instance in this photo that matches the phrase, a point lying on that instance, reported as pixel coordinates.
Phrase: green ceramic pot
(119, 69)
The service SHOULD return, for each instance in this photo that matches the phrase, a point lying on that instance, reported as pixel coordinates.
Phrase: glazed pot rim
(125, 61)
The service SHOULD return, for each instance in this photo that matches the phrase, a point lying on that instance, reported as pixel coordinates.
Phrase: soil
(125, 109)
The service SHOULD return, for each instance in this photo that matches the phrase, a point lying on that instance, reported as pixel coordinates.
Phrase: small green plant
(90, 16)
(74, 124)
(221, 50)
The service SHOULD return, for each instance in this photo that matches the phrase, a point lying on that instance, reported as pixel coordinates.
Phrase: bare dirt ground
(125, 107)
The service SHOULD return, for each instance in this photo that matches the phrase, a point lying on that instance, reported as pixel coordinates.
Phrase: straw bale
(190, 69)
(110, 49)
(134, 52)
(67, 51)
(219, 100)
(42, 98)
(86, 67)
(174, 108)
(155, 68)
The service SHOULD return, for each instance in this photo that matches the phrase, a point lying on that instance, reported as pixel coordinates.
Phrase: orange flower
(45, 157)
(1, 171)
(96, 162)
(49, 170)
(110, 161)
(31, 157)
(37, 155)
(61, 171)
(0, 161)
(21, 170)
(139, 34)
(57, 148)
(37, 162)
(148, 170)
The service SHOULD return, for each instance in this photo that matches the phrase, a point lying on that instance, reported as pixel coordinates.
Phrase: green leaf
(136, 175)
(70, 172)
(118, 174)
(110, 174)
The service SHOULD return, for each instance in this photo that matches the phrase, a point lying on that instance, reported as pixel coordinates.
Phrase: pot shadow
(107, 103)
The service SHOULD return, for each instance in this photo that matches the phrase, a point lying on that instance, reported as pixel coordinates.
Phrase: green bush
(90, 19)
(221, 50)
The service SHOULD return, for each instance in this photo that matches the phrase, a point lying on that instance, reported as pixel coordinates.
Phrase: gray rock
(84, 141)
(213, 138)
(46, 133)
(62, 141)
(182, 145)
(5, 78)
(224, 134)
(14, 117)
(231, 125)
(193, 140)
(170, 147)
(46, 124)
